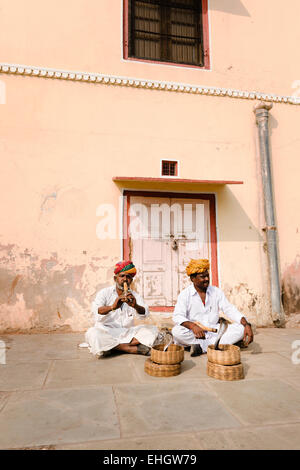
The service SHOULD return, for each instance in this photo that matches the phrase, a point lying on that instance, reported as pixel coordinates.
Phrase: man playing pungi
(114, 311)
(202, 303)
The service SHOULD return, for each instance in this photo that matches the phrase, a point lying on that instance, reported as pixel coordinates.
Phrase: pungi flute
(125, 288)
(206, 328)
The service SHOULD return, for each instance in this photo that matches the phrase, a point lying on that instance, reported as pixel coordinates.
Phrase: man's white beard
(121, 286)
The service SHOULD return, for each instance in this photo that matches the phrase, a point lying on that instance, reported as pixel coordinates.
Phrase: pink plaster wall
(62, 142)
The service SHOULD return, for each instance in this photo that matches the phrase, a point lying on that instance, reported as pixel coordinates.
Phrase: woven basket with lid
(217, 371)
(173, 355)
(227, 354)
(161, 370)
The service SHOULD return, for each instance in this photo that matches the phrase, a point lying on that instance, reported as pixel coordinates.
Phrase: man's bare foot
(127, 348)
(144, 350)
(133, 348)
(134, 342)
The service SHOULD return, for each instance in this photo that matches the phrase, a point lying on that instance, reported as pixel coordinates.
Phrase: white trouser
(185, 337)
(101, 338)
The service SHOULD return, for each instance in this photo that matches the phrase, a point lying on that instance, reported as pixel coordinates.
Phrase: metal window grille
(169, 168)
(166, 30)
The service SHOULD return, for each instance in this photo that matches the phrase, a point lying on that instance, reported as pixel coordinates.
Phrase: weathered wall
(285, 146)
(42, 291)
(62, 142)
(247, 50)
(291, 287)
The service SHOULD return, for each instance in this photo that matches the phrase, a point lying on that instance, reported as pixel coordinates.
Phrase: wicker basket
(173, 355)
(217, 371)
(161, 370)
(228, 354)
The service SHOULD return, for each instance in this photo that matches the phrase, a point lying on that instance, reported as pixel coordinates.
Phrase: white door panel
(165, 234)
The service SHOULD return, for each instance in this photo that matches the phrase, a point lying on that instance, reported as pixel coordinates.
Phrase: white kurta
(189, 307)
(117, 326)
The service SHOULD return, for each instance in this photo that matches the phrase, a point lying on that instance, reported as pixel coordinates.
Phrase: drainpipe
(261, 111)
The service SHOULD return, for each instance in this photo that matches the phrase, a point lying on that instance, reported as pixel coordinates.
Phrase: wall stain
(41, 294)
(291, 287)
(13, 286)
(255, 307)
(48, 202)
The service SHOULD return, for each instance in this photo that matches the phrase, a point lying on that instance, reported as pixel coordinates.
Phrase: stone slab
(94, 372)
(288, 332)
(294, 381)
(268, 365)
(285, 437)
(3, 399)
(259, 401)
(185, 441)
(268, 343)
(189, 411)
(37, 348)
(53, 338)
(169, 407)
(286, 354)
(26, 376)
(49, 417)
(192, 368)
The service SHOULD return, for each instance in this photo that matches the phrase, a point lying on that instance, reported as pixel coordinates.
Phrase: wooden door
(191, 243)
(151, 250)
(165, 233)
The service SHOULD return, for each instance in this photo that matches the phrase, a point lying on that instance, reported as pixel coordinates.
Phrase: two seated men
(114, 311)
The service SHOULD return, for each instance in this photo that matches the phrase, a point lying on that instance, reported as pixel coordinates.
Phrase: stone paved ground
(54, 395)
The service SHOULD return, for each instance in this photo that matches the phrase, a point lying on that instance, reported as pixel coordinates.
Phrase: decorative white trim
(95, 78)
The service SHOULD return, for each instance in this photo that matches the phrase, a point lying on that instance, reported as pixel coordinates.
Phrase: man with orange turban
(114, 309)
(202, 303)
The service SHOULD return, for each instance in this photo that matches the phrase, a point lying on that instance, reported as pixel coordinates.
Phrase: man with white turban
(203, 303)
(114, 309)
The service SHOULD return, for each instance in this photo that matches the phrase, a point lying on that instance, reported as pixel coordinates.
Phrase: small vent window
(169, 168)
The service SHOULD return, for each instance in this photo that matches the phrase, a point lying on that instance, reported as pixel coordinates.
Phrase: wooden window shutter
(166, 30)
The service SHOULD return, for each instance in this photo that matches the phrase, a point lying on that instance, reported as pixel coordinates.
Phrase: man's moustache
(121, 286)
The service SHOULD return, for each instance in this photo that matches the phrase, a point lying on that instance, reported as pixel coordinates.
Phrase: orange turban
(197, 266)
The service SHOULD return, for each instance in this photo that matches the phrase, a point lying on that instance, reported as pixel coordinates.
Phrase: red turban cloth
(125, 266)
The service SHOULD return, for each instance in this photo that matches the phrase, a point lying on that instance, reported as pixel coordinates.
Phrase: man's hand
(118, 302)
(123, 298)
(248, 333)
(130, 300)
(198, 332)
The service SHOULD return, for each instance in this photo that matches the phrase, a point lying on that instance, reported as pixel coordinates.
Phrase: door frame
(162, 194)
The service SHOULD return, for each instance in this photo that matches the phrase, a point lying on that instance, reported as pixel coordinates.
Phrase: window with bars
(169, 168)
(166, 31)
